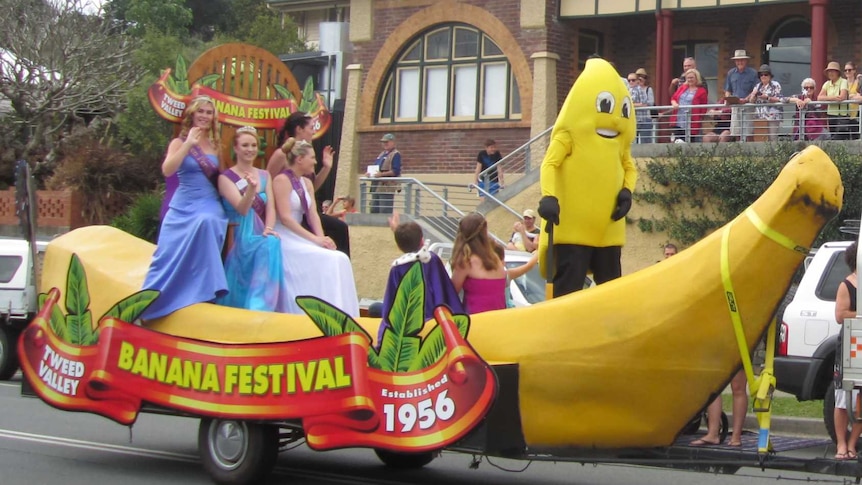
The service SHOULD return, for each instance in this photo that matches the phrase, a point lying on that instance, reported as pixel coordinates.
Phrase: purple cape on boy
(438, 288)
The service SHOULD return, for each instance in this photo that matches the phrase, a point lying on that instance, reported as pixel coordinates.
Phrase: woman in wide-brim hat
(835, 89)
(768, 90)
(646, 97)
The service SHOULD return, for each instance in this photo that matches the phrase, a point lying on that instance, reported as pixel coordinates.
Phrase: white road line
(91, 445)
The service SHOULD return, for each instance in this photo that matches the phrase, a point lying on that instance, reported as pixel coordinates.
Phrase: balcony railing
(812, 122)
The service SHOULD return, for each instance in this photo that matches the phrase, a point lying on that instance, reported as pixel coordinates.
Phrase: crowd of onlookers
(751, 106)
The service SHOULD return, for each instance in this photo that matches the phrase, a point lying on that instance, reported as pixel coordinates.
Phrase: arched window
(788, 52)
(449, 73)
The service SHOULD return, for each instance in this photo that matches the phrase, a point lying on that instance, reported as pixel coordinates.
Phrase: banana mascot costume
(587, 179)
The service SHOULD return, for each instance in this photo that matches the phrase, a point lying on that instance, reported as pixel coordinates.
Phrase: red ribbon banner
(234, 110)
(324, 381)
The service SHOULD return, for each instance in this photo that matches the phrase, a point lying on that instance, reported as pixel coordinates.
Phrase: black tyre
(404, 461)
(237, 452)
(693, 426)
(8, 352)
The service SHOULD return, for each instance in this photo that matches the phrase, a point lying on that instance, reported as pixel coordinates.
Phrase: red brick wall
(57, 209)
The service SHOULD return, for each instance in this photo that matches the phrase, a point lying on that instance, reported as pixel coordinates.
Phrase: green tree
(142, 16)
(266, 32)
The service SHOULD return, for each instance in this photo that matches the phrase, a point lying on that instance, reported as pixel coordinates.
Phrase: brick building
(444, 75)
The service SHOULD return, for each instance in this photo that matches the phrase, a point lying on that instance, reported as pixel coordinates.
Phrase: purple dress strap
(296, 182)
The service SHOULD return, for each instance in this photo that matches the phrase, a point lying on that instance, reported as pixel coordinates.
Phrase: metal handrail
(495, 200)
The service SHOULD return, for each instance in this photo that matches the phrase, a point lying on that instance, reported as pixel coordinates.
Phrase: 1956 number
(423, 413)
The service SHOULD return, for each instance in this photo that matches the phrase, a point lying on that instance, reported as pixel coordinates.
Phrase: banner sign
(234, 110)
(326, 382)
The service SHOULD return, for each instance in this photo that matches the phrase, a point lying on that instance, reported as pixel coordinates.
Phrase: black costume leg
(573, 260)
(337, 230)
(605, 263)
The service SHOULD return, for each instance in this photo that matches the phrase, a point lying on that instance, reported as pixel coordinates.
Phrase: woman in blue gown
(253, 266)
(187, 267)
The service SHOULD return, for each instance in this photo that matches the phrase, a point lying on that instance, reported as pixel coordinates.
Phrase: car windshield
(531, 284)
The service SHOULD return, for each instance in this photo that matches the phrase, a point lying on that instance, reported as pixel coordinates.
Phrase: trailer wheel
(8, 352)
(404, 461)
(237, 452)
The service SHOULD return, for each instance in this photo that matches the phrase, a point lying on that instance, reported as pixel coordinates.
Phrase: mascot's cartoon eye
(605, 102)
(627, 108)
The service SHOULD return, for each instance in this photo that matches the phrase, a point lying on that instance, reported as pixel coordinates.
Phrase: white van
(18, 294)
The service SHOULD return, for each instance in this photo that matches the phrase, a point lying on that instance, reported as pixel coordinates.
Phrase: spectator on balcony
(642, 98)
(300, 126)
(854, 93)
(187, 267)
(835, 89)
(767, 91)
(720, 131)
(739, 83)
(686, 118)
(810, 118)
(687, 64)
(492, 180)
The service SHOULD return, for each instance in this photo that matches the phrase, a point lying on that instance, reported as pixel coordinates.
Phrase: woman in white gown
(312, 266)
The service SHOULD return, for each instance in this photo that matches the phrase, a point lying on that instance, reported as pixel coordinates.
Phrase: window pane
(464, 97)
(414, 53)
(386, 105)
(8, 267)
(466, 43)
(435, 92)
(588, 44)
(408, 93)
(707, 59)
(489, 48)
(515, 105)
(437, 45)
(494, 90)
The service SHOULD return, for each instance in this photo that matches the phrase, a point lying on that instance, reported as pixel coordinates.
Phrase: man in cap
(526, 233)
(740, 82)
(388, 165)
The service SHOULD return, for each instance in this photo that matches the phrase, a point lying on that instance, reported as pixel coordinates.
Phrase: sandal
(842, 456)
(851, 454)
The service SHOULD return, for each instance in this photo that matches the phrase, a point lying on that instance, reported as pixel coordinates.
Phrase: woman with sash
(187, 267)
(253, 266)
(312, 266)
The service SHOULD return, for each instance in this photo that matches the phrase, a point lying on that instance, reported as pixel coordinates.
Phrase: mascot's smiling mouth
(607, 133)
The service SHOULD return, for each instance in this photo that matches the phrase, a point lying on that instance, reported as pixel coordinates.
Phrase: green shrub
(728, 178)
(142, 217)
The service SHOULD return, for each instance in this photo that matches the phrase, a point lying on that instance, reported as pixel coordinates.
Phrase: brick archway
(438, 14)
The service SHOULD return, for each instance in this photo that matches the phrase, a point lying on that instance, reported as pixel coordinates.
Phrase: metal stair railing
(436, 208)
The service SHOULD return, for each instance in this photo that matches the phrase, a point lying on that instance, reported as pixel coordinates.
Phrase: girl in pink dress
(476, 268)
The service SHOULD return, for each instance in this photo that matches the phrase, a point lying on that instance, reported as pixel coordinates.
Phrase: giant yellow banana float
(623, 365)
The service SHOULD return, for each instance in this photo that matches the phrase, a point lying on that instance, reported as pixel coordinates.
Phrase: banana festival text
(242, 379)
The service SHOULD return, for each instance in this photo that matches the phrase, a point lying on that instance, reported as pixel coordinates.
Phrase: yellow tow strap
(761, 387)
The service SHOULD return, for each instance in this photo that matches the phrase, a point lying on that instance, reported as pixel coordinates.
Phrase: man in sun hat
(740, 82)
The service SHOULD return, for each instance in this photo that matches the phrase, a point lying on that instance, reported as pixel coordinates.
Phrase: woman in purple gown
(187, 267)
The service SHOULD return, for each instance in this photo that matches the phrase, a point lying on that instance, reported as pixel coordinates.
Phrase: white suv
(808, 335)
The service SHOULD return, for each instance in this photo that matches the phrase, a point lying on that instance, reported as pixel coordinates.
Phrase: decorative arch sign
(249, 86)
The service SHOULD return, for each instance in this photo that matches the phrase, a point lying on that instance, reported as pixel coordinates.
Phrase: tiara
(202, 97)
(247, 129)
